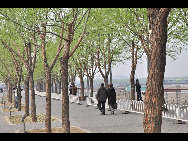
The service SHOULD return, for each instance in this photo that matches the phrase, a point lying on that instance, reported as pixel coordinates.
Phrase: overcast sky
(174, 68)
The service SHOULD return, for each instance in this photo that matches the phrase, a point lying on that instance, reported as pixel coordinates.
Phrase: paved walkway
(89, 118)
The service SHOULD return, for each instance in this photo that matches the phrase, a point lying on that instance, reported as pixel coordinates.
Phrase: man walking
(101, 97)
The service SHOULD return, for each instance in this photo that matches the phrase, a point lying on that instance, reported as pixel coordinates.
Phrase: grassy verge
(17, 119)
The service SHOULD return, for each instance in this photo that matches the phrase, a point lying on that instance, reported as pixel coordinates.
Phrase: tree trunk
(65, 97)
(87, 85)
(56, 83)
(48, 102)
(19, 94)
(26, 96)
(82, 88)
(9, 92)
(91, 86)
(132, 81)
(64, 80)
(59, 86)
(33, 106)
(106, 81)
(43, 86)
(52, 83)
(110, 75)
(154, 90)
(133, 68)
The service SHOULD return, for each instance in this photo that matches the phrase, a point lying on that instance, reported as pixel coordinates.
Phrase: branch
(146, 48)
(19, 54)
(58, 48)
(34, 56)
(163, 12)
(80, 19)
(81, 37)
(99, 65)
(43, 47)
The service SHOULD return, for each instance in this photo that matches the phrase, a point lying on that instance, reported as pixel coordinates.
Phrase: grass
(6, 109)
(17, 119)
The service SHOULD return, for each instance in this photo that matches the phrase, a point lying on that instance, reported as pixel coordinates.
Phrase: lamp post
(4, 103)
(23, 118)
(10, 110)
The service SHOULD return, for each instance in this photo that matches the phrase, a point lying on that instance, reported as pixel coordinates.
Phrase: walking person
(16, 96)
(101, 97)
(138, 90)
(111, 98)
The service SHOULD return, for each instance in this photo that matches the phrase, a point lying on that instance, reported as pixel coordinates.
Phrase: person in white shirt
(16, 96)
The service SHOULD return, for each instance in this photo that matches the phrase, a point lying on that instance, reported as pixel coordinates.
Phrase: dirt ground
(57, 130)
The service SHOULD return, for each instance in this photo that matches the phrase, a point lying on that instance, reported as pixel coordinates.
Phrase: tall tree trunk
(132, 75)
(133, 69)
(110, 75)
(48, 102)
(154, 90)
(91, 86)
(33, 105)
(9, 92)
(65, 97)
(106, 81)
(26, 96)
(56, 83)
(82, 88)
(132, 80)
(19, 93)
(87, 85)
(52, 84)
(59, 86)
(64, 80)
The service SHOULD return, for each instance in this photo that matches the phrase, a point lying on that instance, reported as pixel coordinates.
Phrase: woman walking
(111, 98)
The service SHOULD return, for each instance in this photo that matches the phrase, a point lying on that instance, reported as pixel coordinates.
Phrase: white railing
(173, 111)
(176, 96)
(72, 98)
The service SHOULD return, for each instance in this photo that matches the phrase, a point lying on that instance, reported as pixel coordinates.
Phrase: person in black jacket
(138, 90)
(111, 98)
(101, 97)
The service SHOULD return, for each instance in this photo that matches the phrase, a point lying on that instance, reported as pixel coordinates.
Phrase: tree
(80, 65)
(25, 41)
(154, 90)
(134, 62)
(67, 53)
(48, 69)
(150, 27)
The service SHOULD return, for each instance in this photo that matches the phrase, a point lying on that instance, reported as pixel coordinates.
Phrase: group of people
(73, 90)
(103, 94)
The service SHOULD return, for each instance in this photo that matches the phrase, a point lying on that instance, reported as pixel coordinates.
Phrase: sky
(174, 68)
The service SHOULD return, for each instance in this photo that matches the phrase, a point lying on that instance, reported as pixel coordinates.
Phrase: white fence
(72, 98)
(173, 111)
